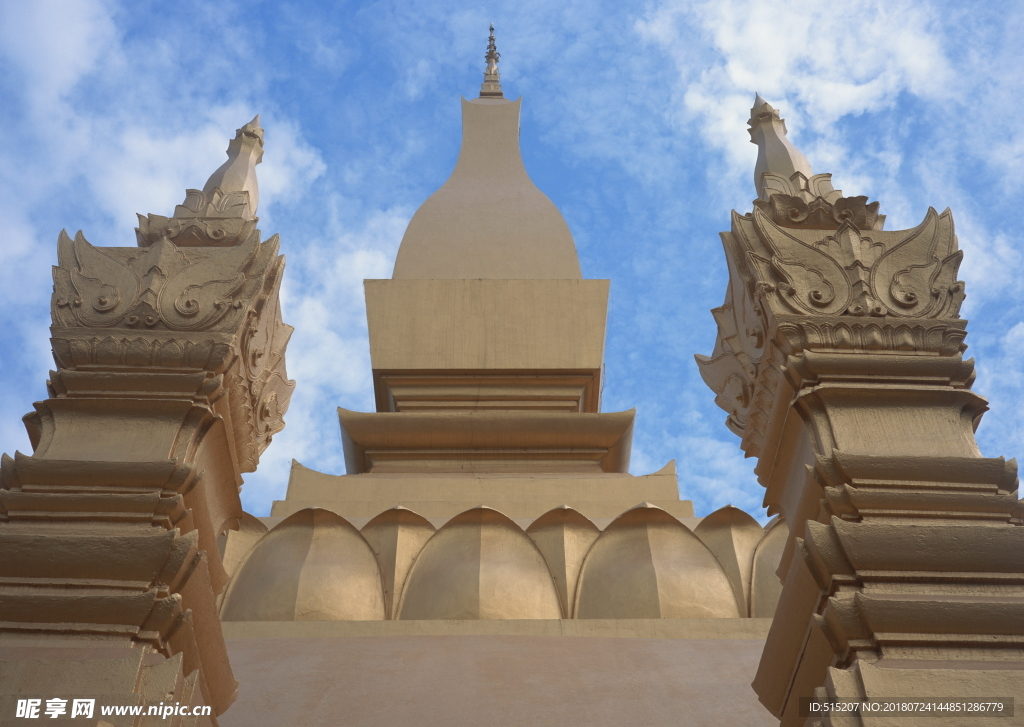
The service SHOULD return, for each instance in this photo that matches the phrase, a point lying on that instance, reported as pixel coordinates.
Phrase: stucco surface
(495, 680)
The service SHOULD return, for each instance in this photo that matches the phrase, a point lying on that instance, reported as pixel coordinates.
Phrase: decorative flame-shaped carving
(92, 285)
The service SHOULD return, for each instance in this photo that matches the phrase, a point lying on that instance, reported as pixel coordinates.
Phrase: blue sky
(633, 123)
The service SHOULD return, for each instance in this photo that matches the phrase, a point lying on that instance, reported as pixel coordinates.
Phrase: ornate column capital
(165, 308)
(827, 287)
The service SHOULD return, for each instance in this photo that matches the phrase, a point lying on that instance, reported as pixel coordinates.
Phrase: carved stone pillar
(170, 382)
(839, 360)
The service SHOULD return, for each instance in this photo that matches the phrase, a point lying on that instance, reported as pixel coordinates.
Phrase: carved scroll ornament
(813, 203)
(156, 287)
(848, 289)
(910, 273)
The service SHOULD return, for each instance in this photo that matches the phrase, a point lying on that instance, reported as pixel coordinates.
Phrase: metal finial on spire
(491, 87)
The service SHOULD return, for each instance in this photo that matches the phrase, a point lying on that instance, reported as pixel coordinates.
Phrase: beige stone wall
(493, 679)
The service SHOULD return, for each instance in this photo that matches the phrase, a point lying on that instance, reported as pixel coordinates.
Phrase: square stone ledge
(486, 441)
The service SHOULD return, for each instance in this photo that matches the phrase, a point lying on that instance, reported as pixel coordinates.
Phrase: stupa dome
(488, 220)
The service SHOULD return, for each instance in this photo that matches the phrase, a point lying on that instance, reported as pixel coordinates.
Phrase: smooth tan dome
(397, 536)
(765, 585)
(314, 566)
(732, 535)
(647, 564)
(564, 537)
(480, 565)
(488, 220)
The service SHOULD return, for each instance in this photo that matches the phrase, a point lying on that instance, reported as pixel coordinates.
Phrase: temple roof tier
(486, 441)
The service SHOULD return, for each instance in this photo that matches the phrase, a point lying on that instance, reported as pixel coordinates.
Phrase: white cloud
(818, 62)
(289, 166)
(55, 43)
(717, 475)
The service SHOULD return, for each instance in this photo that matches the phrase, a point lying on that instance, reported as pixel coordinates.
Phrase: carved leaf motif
(258, 338)
(65, 297)
(948, 291)
(776, 184)
(902, 277)
(154, 265)
(200, 294)
(815, 282)
(818, 213)
(850, 248)
(105, 289)
(739, 320)
(725, 376)
(273, 403)
(256, 344)
(788, 209)
(227, 202)
(820, 185)
(909, 288)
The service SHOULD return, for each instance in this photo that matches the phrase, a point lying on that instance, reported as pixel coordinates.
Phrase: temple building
(488, 558)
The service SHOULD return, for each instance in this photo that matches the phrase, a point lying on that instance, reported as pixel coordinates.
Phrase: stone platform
(600, 672)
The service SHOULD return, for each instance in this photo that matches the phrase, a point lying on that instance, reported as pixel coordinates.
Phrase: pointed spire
(238, 173)
(789, 191)
(775, 153)
(491, 87)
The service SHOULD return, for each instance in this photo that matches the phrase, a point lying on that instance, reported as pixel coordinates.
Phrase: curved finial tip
(253, 129)
(776, 155)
